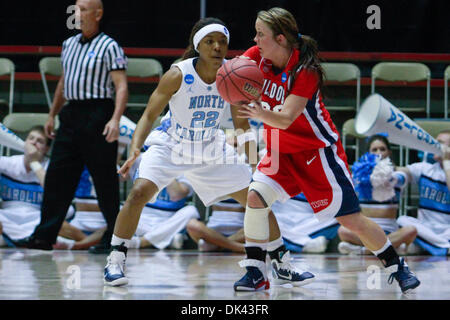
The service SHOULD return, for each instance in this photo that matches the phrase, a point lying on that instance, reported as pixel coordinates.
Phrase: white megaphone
(126, 130)
(378, 115)
(10, 140)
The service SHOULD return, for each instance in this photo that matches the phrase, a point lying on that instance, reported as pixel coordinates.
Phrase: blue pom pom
(84, 186)
(362, 169)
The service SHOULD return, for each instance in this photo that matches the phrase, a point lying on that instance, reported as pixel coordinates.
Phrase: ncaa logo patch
(120, 60)
(284, 77)
(189, 78)
(91, 54)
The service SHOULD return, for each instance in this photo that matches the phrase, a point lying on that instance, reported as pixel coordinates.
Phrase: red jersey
(313, 129)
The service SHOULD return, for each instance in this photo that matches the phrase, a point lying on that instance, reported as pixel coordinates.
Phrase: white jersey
(434, 201)
(21, 193)
(18, 186)
(197, 108)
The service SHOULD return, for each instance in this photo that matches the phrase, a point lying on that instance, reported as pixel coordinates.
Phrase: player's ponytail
(190, 50)
(281, 21)
(309, 57)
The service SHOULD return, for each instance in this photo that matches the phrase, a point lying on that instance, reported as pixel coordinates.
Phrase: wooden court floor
(191, 275)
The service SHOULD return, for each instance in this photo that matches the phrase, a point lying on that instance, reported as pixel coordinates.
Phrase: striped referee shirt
(87, 65)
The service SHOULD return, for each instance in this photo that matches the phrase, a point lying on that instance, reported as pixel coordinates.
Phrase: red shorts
(321, 174)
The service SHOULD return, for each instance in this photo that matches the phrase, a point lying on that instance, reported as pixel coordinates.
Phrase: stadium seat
(342, 72)
(348, 129)
(22, 122)
(51, 66)
(403, 71)
(143, 68)
(7, 68)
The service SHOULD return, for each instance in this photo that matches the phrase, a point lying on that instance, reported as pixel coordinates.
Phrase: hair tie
(299, 35)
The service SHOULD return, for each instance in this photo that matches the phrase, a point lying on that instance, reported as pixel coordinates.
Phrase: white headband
(215, 27)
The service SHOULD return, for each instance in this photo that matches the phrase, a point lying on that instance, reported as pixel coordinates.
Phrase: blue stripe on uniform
(300, 197)
(165, 125)
(312, 110)
(350, 202)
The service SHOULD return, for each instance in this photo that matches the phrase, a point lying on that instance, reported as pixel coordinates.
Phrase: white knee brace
(256, 220)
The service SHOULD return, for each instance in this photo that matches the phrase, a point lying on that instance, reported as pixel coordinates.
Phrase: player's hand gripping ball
(239, 81)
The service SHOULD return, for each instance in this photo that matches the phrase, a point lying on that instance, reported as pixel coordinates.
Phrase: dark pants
(79, 142)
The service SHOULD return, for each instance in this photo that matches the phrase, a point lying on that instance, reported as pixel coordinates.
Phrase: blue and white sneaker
(406, 279)
(255, 279)
(114, 271)
(285, 272)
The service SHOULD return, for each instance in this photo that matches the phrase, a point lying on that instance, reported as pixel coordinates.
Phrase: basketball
(239, 81)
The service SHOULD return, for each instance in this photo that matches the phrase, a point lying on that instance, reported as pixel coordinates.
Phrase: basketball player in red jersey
(304, 154)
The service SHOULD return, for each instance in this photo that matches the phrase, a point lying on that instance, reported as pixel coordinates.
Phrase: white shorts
(159, 226)
(226, 222)
(387, 224)
(88, 221)
(437, 235)
(19, 219)
(211, 181)
(19, 222)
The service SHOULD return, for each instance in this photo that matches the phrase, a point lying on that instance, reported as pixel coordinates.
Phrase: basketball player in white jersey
(188, 141)
(433, 214)
(21, 181)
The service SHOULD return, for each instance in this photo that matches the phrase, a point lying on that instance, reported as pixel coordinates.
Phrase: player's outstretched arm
(168, 85)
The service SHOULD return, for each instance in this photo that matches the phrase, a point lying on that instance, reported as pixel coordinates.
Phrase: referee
(93, 69)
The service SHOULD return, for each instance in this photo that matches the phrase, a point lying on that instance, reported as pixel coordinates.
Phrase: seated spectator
(160, 226)
(21, 181)
(379, 203)
(301, 231)
(163, 222)
(433, 214)
(224, 229)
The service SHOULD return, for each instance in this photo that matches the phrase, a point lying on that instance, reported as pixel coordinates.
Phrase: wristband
(245, 137)
(35, 166)
(446, 164)
(400, 179)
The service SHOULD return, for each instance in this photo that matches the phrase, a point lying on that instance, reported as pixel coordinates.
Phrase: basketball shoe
(255, 279)
(114, 274)
(406, 279)
(284, 272)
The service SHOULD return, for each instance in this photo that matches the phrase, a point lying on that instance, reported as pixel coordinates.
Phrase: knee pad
(256, 220)
(265, 192)
(256, 223)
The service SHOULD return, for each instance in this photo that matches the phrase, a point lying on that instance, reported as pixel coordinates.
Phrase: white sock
(68, 242)
(262, 245)
(135, 242)
(116, 241)
(275, 244)
(383, 248)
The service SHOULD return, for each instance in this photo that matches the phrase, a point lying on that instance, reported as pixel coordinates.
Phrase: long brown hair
(281, 21)
(190, 50)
